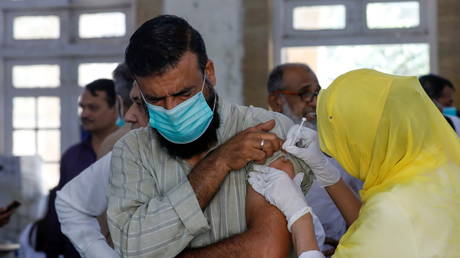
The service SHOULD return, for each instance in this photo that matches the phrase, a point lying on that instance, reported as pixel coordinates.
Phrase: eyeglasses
(304, 95)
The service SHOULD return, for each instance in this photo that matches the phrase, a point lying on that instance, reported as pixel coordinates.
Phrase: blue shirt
(76, 159)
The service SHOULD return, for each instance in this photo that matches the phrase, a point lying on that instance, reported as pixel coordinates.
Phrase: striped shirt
(153, 211)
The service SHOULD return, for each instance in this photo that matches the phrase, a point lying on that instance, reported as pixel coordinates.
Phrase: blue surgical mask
(120, 122)
(184, 123)
(450, 111)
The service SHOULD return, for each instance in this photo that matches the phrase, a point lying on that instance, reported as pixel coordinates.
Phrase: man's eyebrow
(305, 87)
(183, 91)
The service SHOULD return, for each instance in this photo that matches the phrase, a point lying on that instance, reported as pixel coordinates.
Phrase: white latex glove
(326, 173)
(312, 254)
(281, 191)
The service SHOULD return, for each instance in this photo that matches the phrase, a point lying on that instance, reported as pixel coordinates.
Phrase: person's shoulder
(70, 152)
(256, 115)
(109, 141)
(135, 137)
(261, 114)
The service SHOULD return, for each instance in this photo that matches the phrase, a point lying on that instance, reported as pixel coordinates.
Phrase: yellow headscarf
(383, 129)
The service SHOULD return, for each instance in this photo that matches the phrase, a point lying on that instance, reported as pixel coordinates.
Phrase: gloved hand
(309, 151)
(281, 191)
(312, 254)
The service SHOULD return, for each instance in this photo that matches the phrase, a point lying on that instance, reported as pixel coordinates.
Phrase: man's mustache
(86, 120)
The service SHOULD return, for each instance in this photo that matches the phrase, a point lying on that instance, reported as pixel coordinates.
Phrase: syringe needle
(298, 129)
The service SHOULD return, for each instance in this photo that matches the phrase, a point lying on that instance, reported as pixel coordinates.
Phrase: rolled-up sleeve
(143, 221)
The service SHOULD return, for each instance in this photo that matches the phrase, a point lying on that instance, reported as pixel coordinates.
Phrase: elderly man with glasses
(292, 90)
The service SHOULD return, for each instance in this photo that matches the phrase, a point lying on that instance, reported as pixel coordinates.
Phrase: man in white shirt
(84, 198)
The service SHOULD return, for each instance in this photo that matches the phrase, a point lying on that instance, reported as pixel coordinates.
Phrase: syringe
(299, 143)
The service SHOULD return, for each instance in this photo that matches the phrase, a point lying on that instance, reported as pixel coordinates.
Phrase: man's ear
(274, 101)
(210, 73)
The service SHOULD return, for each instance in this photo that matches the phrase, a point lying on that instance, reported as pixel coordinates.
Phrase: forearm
(206, 178)
(79, 203)
(82, 229)
(160, 227)
(303, 234)
(345, 200)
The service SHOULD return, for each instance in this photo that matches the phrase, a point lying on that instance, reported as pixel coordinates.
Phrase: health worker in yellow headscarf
(384, 130)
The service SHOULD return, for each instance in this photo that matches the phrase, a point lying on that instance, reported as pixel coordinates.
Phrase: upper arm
(267, 222)
(268, 225)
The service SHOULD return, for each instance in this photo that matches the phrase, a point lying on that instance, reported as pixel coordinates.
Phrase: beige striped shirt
(153, 211)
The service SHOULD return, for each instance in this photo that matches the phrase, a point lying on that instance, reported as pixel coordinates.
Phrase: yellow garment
(384, 130)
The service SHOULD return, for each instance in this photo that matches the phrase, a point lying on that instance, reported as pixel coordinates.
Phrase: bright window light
(324, 17)
(36, 27)
(102, 25)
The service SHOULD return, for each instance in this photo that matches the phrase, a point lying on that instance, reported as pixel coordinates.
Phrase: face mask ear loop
(120, 106)
(204, 81)
(215, 95)
(143, 98)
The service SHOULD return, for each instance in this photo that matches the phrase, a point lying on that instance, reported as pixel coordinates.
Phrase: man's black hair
(105, 85)
(434, 85)
(159, 44)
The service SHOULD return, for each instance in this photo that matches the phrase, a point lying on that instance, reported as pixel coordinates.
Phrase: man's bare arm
(266, 234)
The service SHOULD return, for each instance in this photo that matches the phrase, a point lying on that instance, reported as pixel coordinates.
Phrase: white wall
(220, 24)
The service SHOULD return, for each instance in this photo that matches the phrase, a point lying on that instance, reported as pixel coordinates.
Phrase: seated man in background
(293, 89)
(441, 91)
(179, 186)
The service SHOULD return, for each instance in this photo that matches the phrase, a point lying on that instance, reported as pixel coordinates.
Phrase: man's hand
(234, 154)
(253, 144)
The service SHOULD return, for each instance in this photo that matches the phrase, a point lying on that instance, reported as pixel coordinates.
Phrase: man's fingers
(259, 156)
(266, 126)
(270, 139)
